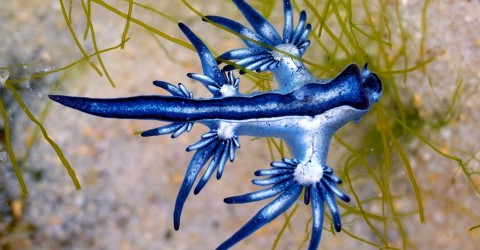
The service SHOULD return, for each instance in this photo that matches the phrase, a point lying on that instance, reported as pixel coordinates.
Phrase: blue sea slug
(304, 111)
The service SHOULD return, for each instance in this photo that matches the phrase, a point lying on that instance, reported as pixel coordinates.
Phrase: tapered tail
(165, 108)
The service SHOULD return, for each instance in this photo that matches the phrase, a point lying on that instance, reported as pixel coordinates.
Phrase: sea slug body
(304, 111)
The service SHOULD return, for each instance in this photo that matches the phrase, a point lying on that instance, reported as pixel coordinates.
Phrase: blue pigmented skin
(308, 100)
(304, 111)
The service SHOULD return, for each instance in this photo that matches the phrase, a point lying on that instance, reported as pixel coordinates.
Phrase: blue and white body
(304, 111)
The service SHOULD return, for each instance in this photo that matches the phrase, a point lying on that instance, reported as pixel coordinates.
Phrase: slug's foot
(213, 147)
(284, 184)
(224, 149)
(180, 91)
(176, 129)
(227, 87)
(215, 80)
(266, 48)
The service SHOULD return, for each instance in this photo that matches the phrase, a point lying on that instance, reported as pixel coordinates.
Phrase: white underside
(308, 137)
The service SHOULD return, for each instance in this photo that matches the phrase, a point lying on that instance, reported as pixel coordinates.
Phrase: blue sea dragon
(304, 111)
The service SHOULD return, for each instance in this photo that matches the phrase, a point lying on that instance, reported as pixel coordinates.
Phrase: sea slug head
(371, 84)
